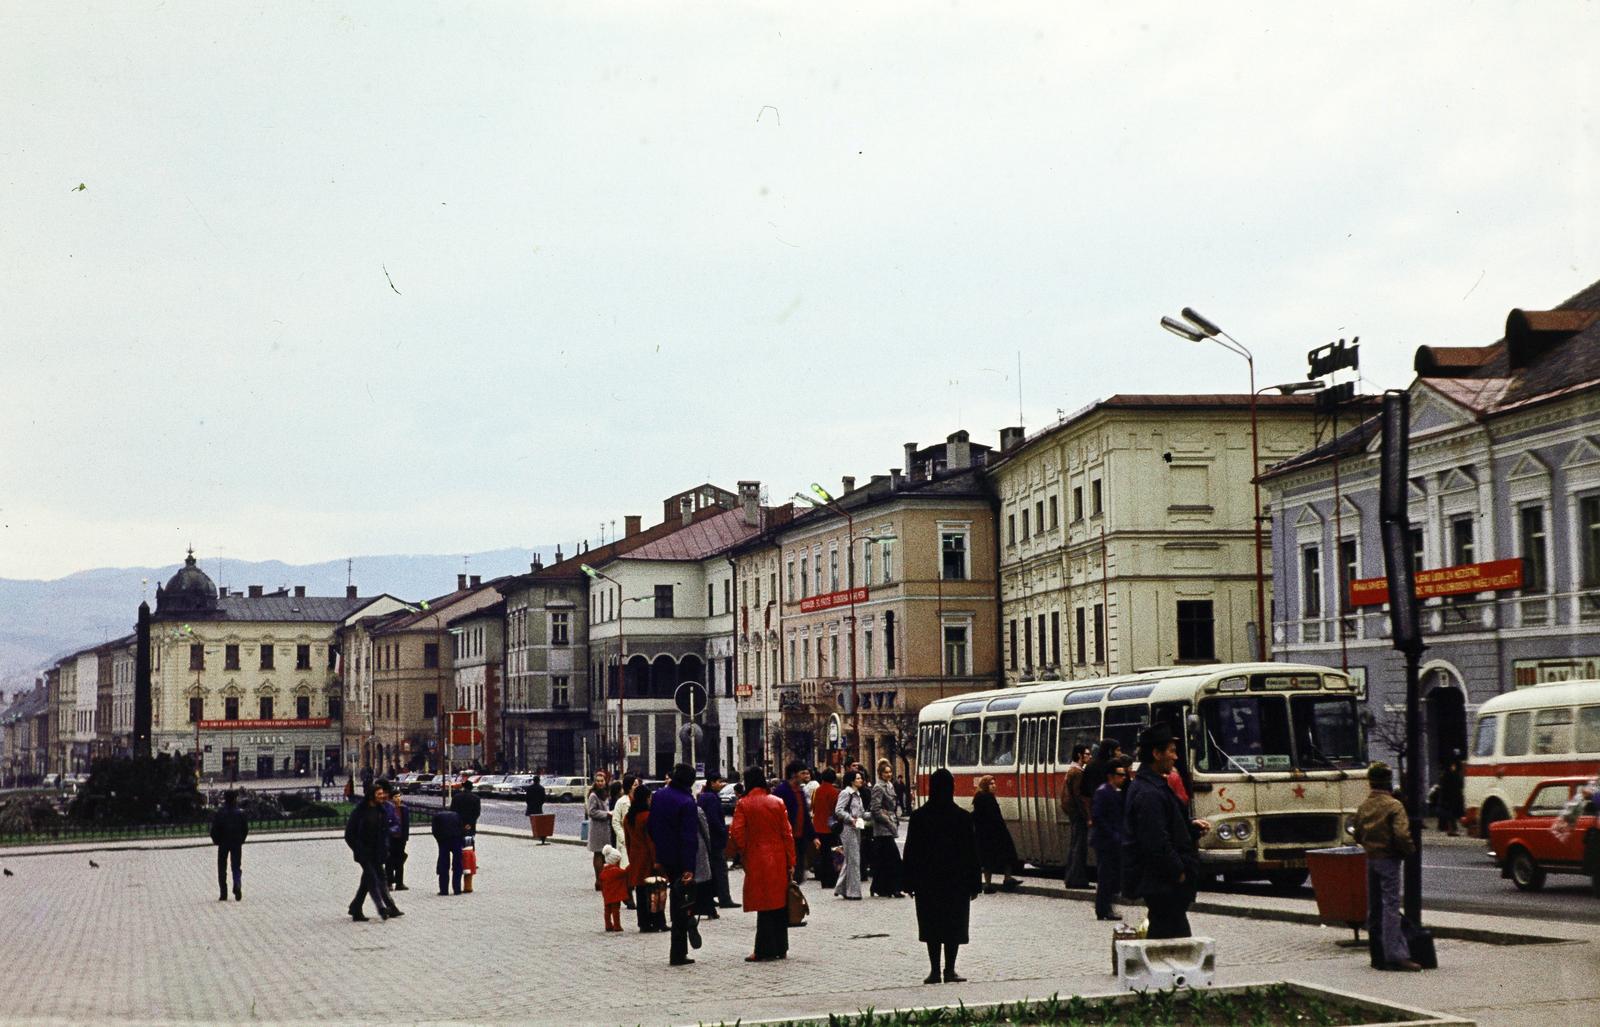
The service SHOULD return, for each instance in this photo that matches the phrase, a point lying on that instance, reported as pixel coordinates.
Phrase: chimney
(350, 592)
(222, 591)
(750, 502)
(477, 580)
(896, 481)
(461, 582)
(299, 591)
(849, 482)
(958, 452)
(911, 461)
(537, 564)
(631, 524)
(255, 591)
(687, 506)
(875, 481)
(558, 554)
(1010, 438)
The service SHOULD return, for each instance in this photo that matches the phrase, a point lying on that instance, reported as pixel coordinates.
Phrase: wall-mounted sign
(743, 691)
(1462, 579)
(832, 599)
(274, 725)
(1539, 672)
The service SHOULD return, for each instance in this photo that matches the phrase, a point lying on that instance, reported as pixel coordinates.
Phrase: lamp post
(1197, 328)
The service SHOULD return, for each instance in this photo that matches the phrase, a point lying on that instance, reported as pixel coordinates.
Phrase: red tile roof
(699, 540)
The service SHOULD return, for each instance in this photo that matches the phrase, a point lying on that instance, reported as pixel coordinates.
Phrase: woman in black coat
(941, 863)
(996, 851)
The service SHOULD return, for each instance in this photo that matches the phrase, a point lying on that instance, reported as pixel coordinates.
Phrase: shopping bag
(658, 895)
(799, 908)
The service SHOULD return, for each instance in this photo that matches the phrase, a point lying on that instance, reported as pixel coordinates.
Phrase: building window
(430, 705)
(1055, 514)
(888, 566)
(1014, 653)
(1462, 547)
(1041, 640)
(302, 707)
(866, 564)
(1349, 570)
(197, 656)
(197, 707)
(302, 657)
(790, 579)
(866, 652)
(1080, 655)
(1026, 534)
(711, 600)
(1027, 642)
(805, 576)
(833, 570)
(1096, 499)
(266, 657)
(559, 628)
(1100, 633)
(805, 657)
(1417, 551)
(1589, 547)
(333, 657)
(230, 708)
(1311, 581)
(664, 601)
(266, 707)
(1077, 502)
(1196, 633)
(833, 654)
(727, 594)
(888, 640)
(230, 657)
(430, 654)
(791, 654)
(955, 650)
(1055, 638)
(560, 691)
(1011, 529)
(953, 545)
(1535, 568)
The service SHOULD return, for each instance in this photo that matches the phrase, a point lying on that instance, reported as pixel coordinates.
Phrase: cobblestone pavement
(142, 938)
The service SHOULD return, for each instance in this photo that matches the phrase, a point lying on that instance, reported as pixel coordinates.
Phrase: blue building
(1504, 464)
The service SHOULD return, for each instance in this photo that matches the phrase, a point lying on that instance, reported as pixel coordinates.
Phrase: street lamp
(1197, 328)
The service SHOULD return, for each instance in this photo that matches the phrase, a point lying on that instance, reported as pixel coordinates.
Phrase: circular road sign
(690, 699)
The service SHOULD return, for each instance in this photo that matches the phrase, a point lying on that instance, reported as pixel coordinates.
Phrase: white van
(1523, 737)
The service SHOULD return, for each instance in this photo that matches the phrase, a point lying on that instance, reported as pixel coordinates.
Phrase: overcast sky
(352, 279)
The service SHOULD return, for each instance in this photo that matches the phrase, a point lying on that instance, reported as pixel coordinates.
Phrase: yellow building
(1126, 532)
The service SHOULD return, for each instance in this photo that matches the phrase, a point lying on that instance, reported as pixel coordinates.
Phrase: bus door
(1175, 715)
(1052, 840)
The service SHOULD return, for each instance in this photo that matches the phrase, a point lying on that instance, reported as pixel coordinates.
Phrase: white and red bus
(1524, 736)
(1276, 752)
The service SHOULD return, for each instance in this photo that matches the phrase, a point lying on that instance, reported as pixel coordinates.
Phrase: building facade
(1504, 465)
(477, 661)
(1126, 532)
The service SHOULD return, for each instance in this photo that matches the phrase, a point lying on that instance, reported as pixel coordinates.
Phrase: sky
(302, 281)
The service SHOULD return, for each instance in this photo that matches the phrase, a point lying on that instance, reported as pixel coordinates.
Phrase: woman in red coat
(642, 860)
(762, 833)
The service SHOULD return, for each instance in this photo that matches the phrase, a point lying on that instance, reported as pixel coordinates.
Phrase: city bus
(1524, 736)
(1276, 752)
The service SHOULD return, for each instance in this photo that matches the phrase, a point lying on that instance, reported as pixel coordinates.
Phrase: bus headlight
(1241, 830)
(1350, 826)
(1225, 832)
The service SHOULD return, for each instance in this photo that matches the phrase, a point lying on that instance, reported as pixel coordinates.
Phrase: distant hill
(41, 621)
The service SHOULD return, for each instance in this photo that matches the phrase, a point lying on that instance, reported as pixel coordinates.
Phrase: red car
(1535, 841)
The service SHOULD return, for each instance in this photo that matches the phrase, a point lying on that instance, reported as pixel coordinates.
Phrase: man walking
(447, 834)
(1075, 806)
(535, 807)
(367, 835)
(399, 833)
(710, 800)
(674, 827)
(792, 791)
(228, 830)
(1384, 830)
(1160, 857)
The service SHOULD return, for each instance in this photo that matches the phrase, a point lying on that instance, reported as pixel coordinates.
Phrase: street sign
(690, 699)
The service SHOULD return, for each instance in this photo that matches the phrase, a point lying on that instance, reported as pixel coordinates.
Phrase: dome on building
(190, 591)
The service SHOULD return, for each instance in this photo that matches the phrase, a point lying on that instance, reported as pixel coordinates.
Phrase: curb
(1476, 934)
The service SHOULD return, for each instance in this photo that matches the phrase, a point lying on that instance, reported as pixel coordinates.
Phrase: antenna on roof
(1019, 388)
(349, 572)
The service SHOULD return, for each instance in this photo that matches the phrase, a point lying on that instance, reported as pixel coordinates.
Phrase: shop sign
(1462, 579)
(832, 599)
(743, 691)
(1539, 672)
(311, 723)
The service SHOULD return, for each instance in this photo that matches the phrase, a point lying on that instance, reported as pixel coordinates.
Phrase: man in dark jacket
(792, 790)
(449, 836)
(228, 830)
(675, 831)
(1160, 857)
(1106, 836)
(367, 835)
(399, 833)
(469, 806)
(710, 800)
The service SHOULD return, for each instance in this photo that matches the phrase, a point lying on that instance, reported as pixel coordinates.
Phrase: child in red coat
(613, 887)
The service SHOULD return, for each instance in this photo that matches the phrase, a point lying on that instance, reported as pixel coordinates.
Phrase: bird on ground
(94, 864)
(10, 874)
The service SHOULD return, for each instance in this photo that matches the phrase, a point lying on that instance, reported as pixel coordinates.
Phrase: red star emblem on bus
(1299, 791)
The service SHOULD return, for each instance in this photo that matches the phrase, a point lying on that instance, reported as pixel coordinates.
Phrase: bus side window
(1078, 727)
(1488, 732)
(964, 742)
(1050, 741)
(1124, 723)
(1552, 731)
(1025, 747)
(1516, 739)
(1589, 729)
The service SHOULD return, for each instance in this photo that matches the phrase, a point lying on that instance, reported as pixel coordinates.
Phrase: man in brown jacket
(1074, 805)
(1384, 830)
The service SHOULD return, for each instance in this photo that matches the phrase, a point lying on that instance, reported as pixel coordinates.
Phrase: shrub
(139, 791)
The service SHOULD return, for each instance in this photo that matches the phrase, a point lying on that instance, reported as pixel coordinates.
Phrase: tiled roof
(287, 608)
(492, 610)
(404, 619)
(698, 540)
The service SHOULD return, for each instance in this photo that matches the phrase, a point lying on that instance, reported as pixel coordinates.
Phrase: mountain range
(42, 621)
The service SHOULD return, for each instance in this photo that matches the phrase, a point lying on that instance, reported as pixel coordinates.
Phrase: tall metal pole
(1255, 481)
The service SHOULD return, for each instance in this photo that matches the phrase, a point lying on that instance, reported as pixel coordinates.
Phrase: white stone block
(1166, 963)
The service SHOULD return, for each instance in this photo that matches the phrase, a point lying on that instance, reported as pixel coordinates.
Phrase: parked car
(411, 784)
(1536, 841)
(729, 796)
(401, 781)
(559, 788)
(489, 784)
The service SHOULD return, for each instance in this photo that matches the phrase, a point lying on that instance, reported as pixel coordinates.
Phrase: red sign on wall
(743, 691)
(832, 599)
(1462, 579)
(267, 725)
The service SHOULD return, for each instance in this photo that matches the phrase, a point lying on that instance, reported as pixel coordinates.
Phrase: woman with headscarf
(996, 851)
(642, 860)
(850, 819)
(598, 812)
(762, 833)
(941, 863)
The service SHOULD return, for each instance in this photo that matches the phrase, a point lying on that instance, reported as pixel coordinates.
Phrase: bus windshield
(1245, 732)
(1327, 732)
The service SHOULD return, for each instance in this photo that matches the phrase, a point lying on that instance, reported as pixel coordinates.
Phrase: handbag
(799, 908)
(658, 895)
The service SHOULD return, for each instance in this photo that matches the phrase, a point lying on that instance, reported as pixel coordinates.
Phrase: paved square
(142, 938)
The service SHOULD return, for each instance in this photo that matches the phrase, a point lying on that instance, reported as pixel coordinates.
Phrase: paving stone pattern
(144, 939)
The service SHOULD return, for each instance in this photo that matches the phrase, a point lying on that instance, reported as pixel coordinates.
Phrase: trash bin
(1339, 879)
(542, 824)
